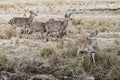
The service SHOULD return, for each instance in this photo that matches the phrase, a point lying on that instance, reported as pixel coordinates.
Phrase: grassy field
(30, 57)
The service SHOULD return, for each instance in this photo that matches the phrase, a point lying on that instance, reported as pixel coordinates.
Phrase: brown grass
(107, 66)
(75, 22)
(3, 59)
(103, 24)
(9, 32)
(47, 52)
(70, 50)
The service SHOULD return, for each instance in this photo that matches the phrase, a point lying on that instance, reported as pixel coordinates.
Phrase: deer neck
(30, 19)
(65, 23)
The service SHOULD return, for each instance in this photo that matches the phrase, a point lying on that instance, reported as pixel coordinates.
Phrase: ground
(87, 15)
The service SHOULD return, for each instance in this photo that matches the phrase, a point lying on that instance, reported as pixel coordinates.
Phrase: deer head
(33, 14)
(67, 17)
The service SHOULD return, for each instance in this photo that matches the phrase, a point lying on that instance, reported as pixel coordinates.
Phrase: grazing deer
(22, 22)
(57, 26)
(88, 45)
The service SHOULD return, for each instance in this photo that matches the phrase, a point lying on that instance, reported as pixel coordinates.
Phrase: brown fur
(38, 27)
(87, 45)
(57, 26)
(22, 22)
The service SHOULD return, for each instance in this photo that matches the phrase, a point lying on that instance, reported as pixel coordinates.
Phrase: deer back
(19, 21)
(54, 25)
(83, 43)
(89, 43)
(38, 26)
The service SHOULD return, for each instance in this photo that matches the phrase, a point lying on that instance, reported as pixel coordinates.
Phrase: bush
(3, 59)
(47, 52)
(9, 32)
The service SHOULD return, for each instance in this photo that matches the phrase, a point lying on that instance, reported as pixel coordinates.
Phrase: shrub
(47, 52)
(107, 66)
(3, 59)
(70, 50)
(75, 22)
(9, 32)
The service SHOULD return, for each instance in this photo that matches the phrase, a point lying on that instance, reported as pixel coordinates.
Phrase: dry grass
(106, 63)
(68, 65)
(9, 32)
(44, 77)
(103, 24)
(49, 5)
(75, 22)
(107, 66)
(70, 50)
(64, 65)
(47, 52)
(3, 59)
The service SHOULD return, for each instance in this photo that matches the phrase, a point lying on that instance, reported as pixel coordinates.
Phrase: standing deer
(57, 26)
(22, 22)
(88, 45)
(37, 27)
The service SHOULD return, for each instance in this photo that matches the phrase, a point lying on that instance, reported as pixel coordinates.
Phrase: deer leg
(42, 34)
(11, 23)
(25, 30)
(56, 35)
(29, 31)
(89, 59)
(47, 35)
(78, 54)
(82, 56)
(34, 33)
(93, 58)
(27, 27)
(60, 34)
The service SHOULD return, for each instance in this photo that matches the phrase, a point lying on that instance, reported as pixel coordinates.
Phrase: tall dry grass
(107, 67)
(107, 64)
(9, 32)
(3, 59)
(103, 24)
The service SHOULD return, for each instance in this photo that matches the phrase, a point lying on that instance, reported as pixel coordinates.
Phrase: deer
(37, 27)
(88, 45)
(21, 21)
(57, 26)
